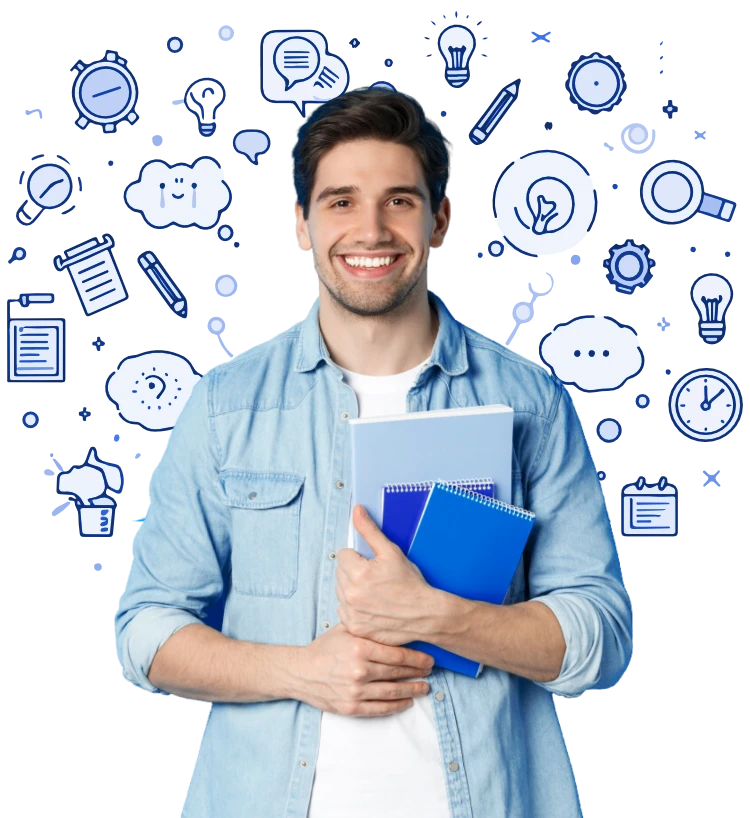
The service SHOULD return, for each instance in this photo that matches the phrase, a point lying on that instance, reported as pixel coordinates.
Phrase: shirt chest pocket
(264, 508)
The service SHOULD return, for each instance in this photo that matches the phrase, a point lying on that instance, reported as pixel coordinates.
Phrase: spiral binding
(399, 488)
(487, 501)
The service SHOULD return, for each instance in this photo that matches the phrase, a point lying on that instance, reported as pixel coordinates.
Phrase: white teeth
(365, 261)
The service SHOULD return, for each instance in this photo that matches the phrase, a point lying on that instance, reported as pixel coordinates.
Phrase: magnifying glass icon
(672, 192)
(49, 186)
(19, 254)
(216, 326)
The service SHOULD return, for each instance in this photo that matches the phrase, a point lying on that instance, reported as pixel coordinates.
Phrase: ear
(441, 219)
(303, 235)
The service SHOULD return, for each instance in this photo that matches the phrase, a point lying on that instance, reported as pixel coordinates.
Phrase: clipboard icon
(36, 346)
(649, 509)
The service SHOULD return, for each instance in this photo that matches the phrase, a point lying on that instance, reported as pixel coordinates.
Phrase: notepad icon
(649, 509)
(94, 274)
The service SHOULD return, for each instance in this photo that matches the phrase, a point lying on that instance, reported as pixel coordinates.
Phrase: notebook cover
(403, 504)
(457, 444)
(470, 546)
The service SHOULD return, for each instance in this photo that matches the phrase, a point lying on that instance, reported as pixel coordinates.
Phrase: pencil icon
(161, 279)
(497, 110)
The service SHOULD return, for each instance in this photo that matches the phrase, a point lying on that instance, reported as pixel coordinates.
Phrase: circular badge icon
(596, 83)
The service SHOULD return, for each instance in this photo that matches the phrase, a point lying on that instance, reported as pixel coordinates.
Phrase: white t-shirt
(371, 767)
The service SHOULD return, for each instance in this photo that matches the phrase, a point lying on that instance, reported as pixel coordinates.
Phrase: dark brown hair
(374, 113)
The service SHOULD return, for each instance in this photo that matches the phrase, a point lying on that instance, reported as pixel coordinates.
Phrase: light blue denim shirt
(249, 505)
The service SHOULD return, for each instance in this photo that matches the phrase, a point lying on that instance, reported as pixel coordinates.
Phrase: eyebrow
(330, 192)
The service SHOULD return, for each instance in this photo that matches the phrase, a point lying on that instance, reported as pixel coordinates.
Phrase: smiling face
(370, 225)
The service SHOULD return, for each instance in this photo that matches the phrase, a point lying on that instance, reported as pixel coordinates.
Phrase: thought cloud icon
(151, 389)
(252, 144)
(185, 195)
(296, 67)
(594, 353)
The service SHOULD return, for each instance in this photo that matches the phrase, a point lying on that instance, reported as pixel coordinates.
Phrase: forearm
(198, 662)
(525, 638)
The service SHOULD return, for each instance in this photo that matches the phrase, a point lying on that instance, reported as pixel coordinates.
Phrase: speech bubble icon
(252, 144)
(296, 59)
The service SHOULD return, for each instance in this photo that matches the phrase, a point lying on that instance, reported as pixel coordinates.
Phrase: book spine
(487, 501)
(426, 485)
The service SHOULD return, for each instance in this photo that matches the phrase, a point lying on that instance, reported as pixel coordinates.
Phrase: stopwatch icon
(105, 92)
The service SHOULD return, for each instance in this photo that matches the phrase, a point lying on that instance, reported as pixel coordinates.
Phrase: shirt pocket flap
(259, 489)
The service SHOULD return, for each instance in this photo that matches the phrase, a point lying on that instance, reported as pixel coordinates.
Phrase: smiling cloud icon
(185, 195)
(594, 353)
(151, 389)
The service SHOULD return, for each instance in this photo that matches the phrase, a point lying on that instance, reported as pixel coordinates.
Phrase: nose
(371, 227)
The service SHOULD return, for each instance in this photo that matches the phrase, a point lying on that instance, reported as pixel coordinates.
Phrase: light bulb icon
(203, 98)
(712, 295)
(456, 44)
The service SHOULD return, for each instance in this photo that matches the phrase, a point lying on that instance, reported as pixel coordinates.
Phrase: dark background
(623, 737)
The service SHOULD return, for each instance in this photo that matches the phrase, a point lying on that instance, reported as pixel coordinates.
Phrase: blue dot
(614, 187)
(157, 140)
(601, 475)
(226, 33)
(669, 372)
(495, 248)
(117, 437)
(97, 566)
(727, 254)
(236, 244)
(479, 255)
(575, 259)
(30, 420)
(174, 44)
(388, 63)
(642, 401)
(110, 163)
(138, 455)
(442, 113)
(225, 232)
(692, 249)
(609, 430)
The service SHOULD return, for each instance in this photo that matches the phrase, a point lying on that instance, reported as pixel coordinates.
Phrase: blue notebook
(468, 545)
(403, 504)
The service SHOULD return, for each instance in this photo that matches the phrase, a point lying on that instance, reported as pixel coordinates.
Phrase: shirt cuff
(144, 635)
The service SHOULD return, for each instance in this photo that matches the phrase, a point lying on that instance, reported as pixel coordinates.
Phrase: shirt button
(452, 766)
(344, 416)
(331, 555)
(252, 495)
(326, 625)
(440, 695)
(303, 763)
(339, 484)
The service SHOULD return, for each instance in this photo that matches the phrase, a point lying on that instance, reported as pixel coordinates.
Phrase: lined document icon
(649, 509)
(36, 350)
(94, 274)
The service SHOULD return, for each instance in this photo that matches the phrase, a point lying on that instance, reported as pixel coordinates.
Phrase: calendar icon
(649, 509)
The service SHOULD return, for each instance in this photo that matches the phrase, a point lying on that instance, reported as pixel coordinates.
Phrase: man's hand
(385, 599)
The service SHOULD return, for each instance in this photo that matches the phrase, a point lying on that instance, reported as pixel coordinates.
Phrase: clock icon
(705, 404)
(105, 92)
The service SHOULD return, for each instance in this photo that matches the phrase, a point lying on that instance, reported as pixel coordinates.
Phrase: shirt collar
(448, 351)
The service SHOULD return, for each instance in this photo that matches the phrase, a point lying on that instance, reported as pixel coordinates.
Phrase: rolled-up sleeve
(182, 547)
(573, 566)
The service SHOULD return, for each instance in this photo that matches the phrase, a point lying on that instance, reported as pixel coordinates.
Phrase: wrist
(448, 617)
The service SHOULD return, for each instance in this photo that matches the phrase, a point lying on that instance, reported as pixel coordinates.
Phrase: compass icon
(105, 92)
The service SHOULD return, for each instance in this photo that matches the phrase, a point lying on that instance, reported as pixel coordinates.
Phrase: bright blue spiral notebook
(468, 545)
(403, 504)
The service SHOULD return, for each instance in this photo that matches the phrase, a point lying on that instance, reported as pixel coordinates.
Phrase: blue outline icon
(88, 485)
(36, 346)
(649, 509)
(672, 192)
(609, 430)
(105, 92)
(48, 186)
(456, 44)
(711, 295)
(629, 265)
(596, 83)
(637, 134)
(203, 98)
(252, 143)
(91, 267)
(523, 312)
(706, 398)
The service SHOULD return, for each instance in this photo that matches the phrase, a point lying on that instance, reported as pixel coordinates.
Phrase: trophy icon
(88, 484)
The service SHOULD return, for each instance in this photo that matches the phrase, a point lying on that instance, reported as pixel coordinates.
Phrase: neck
(379, 344)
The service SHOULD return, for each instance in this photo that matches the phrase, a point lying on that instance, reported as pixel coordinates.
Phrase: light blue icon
(151, 389)
(523, 312)
(174, 44)
(495, 112)
(456, 45)
(672, 193)
(593, 353)
(203, 98)
(296, 67)
(226, 285)
(252, 143)
(35, 111)
(31, 419)
(649, 509)
(226, 33)
(225, 232)
(386, 86)
(596, 83)
(19, 254)
(700, 134)
(663, 324)
(609, 430)
(540, 38)
(637, 134)
(711, 295)
(163, 283)
(216, 326)
(544, 203)
(712, 478)
(36, 346)
(184, 195)
(705, 405)
(93, 271)
(629, 265)
(88, 485)
(642, 401)
(670, 109)
(105, 92)
(49, 186)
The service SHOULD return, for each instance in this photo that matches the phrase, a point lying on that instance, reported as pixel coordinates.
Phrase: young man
(311, 717)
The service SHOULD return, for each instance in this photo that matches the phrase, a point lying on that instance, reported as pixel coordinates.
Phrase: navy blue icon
(670, 109)
(712, 478)
(700, 134)
(49, 186)
(628, 266)
(642, 401)
(105, 92)
(203, 98)
(163, 283)
(93, 271)
(711, 294)
(663, 324)
(705, 405)
(354, 42)
(225, 232)
(596, 83)
(216, 326)
(98, 344)
(540, 38)
(36, 346)
(609, 430)
(672, 193)
(496, 249)
(19, 254)
(637, 134)
(88, 485)
(456, 45)
(649, 509)
(85, 414)
(523, 312)
(548, 126)
(388, 63)
(174, 44)
(498, 108)
(252, 143)
(31, 419)
(386, 86)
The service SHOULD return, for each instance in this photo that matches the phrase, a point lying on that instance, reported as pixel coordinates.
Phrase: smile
(370, 266)
(178, 197)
